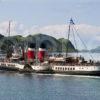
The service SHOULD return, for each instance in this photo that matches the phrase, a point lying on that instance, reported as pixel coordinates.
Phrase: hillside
(66, 44)
(52, 44)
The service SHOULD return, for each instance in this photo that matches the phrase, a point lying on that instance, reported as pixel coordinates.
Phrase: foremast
(68, 35)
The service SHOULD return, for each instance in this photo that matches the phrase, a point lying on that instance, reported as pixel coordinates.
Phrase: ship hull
(90, 73)
(77, 70)
(47, 71)
(68, 70)
(10, 66)
(71, 70)
(5, 68)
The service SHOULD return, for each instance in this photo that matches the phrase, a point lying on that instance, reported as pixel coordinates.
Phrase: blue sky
(48, 12)
(50, 16)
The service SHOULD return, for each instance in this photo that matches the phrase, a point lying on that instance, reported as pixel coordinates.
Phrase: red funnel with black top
(31, 52)
(41, 52)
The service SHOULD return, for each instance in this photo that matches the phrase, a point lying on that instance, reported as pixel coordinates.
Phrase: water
(48, 87)
(14, 86)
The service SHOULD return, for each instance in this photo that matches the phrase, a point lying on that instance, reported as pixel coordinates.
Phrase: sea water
(48, 87)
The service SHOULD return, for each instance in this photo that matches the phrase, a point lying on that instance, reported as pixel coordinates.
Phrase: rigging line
(74, 39)
(68, 40)
(82, 42)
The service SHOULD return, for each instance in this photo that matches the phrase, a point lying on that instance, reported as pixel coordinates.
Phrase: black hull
(4, 68)
(49, 71)
(88, 73)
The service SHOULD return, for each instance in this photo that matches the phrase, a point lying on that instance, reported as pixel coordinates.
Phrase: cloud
(15, 28)
(62, 30)
(53, 30)
(88, 33)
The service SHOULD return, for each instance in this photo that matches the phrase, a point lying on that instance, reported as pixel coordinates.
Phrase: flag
(71, 21)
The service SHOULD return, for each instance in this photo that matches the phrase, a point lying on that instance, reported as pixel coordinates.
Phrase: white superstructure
(11, 65)
(76, 68)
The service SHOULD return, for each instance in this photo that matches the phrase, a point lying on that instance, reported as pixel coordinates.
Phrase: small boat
(10, 62)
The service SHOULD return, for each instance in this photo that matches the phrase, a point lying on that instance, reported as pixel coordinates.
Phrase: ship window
(60, 68)
(73, 68)
(65, 68)
(70, 68)
(3, 64)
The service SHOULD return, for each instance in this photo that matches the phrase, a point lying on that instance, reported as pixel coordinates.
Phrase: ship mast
(9, 28)
(68, 36)
(9, 54)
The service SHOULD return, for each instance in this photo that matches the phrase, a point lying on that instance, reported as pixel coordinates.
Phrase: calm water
(48, 87)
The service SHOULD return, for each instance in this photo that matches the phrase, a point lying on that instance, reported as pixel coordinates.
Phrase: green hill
(52, 44)
(66, 45)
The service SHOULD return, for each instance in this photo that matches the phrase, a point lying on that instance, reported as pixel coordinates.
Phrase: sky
(52, 17)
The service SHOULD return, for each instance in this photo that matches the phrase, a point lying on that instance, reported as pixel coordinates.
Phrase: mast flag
(71, 22)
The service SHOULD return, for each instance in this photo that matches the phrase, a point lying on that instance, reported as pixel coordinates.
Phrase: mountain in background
(97, 50)
(52, 44)
(84, 50)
